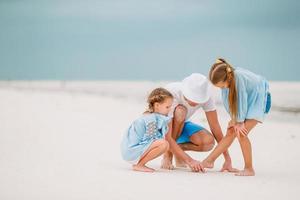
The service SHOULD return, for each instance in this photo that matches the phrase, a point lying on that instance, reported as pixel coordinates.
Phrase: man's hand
(196, 166)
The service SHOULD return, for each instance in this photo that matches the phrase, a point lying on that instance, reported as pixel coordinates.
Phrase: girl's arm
(212, 118)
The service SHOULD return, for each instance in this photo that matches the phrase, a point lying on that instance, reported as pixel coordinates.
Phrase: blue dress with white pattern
(141, 134)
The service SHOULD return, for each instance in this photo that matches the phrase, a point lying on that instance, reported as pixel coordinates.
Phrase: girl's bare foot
(180, 163)
(246, 172)
(166, 163)
(142, 168)
(207, 164)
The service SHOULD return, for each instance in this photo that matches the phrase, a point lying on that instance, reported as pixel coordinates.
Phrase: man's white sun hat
(196, 88)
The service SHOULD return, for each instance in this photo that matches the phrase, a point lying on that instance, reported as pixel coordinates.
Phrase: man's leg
(178, 123)
(201, 141)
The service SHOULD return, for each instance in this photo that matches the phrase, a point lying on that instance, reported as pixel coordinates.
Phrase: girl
(144, 139)
(247, 99)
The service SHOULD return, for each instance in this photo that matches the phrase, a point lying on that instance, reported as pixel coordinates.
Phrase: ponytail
(221, 71)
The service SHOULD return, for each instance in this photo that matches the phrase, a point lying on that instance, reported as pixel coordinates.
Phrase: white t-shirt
(175, 89)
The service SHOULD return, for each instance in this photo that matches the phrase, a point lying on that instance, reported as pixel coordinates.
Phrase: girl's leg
(220, 148)
(156, 149)
(247, 150)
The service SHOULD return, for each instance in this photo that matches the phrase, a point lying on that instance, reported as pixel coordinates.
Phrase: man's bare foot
(207, 164)
(180, 163)
(246, 172)
(142, 168)
(166, 163)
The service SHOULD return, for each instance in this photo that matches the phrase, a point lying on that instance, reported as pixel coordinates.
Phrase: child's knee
(164, 145)
(231, 132)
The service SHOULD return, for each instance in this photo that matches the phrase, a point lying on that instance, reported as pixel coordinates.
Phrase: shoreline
(137, 90)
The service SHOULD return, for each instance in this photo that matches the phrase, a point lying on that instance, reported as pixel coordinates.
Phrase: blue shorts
(189, 129)
(268, 104)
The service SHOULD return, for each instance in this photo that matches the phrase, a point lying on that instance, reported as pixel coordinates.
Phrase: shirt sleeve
(210, 105)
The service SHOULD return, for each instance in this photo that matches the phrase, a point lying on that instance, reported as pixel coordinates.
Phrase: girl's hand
(239, 129)
(231, 124)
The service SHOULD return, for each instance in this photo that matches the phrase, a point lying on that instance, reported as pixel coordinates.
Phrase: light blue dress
(252, 93)
(141, 134)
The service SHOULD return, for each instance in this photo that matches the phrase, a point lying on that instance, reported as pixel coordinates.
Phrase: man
(193, 93)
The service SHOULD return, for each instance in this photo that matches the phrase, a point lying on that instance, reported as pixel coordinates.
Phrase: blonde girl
(247, 99)
(144, 139)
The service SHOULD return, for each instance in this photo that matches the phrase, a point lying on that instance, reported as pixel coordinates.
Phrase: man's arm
(175, 149)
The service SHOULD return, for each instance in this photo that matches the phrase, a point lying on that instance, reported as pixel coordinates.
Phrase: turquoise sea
(146, 40)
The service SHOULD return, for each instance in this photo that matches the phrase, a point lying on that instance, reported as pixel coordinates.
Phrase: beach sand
(60, 140)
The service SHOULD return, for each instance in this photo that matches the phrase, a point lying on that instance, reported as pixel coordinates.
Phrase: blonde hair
(222, 71)
(158, 95)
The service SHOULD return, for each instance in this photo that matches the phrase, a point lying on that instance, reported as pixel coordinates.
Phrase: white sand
(61, 141)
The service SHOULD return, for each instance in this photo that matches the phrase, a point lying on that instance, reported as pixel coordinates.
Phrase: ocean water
(146, 40)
